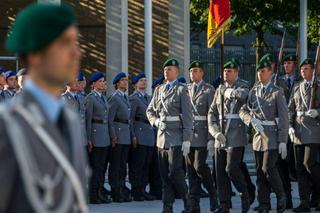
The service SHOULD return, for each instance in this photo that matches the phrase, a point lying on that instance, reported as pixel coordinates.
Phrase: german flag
(219, 19)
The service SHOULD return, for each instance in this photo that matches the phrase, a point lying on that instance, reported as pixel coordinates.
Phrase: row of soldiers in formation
(184, 123)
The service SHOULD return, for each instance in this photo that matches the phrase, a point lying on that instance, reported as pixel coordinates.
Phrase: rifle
(280, 55)
(314, 84)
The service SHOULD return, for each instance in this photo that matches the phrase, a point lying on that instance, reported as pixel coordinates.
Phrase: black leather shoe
(302, 208)
(221, 210)
(116, 196)
(96, 201)
(213, 203)
(261, 210)
(257, 208)
(281, 204)
(167, 208)
(147, 196)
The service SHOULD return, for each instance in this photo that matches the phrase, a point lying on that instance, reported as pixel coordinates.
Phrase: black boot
(213, 202)
(281, 204)
(303, 207)
(116, 196)
(147, 196)
(223, 208)
(259, 207)
(104, 197)
(125, 194)
(167, 208)
(136, 194)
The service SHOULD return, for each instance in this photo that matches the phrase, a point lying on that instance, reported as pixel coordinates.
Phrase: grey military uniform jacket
(2, 98)
(142, 129)
(71, 101)
(201, 101)
(307, 129)
(13, 194)
(173, 107)
(97, 124)
(273, 111)
(235, 129)
(288, 90)
(8, 94)
(77, 105)
(119, 118)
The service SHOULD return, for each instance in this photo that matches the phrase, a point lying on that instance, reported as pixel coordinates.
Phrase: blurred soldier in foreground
(42, 166)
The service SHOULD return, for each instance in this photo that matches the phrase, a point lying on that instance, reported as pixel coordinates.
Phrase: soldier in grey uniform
(43, 165)
(201, 96)
(229, 148)
(286, 166)
(141, 155)
(304, 132)
(122, 137)
(98, 136)
(2, 83)
(70, 96)
(266, 110)
(170, 111)
(82, 86)
(11, 85)
(21, 77)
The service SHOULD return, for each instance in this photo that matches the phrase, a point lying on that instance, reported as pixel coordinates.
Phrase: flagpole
(222, 81)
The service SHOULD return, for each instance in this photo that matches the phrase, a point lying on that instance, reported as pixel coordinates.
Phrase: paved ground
(156, 206)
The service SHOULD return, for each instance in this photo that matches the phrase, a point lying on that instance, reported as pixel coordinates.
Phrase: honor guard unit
(156, 140)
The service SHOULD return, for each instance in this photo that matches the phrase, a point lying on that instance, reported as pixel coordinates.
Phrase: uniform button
(119, 128)
(140, 129)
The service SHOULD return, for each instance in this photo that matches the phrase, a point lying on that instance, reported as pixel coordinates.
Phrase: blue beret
(2, 70)
(96, 76)
(10, 73)
(81, 77)
(118, 77)
(158, 81)
(182, 80)
(136, 78)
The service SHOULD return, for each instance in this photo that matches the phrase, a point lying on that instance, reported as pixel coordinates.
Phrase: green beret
(289, 57)
(195, 64)
(170, 62)
(267, 57)
(262, 64)
(37, 26)
(306, 61)
(231, 64)
(236, 61)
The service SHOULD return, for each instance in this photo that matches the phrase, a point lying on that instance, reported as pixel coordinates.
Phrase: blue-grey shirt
(50, 105)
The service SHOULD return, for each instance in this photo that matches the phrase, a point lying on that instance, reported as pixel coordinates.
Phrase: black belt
(98, 121)
(121, 121)
(142, 120)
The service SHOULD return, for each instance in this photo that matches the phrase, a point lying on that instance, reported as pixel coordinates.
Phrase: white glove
(221, 138)
(283, 150)
(313, 113)
(291, 134)
(228, 93)
(257, 125)
(210, 148)
(185, 147)
(160, 125)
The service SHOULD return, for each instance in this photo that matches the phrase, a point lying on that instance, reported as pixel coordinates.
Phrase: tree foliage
(261, 16)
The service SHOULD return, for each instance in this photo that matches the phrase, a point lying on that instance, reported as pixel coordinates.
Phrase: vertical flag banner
(219, 19)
